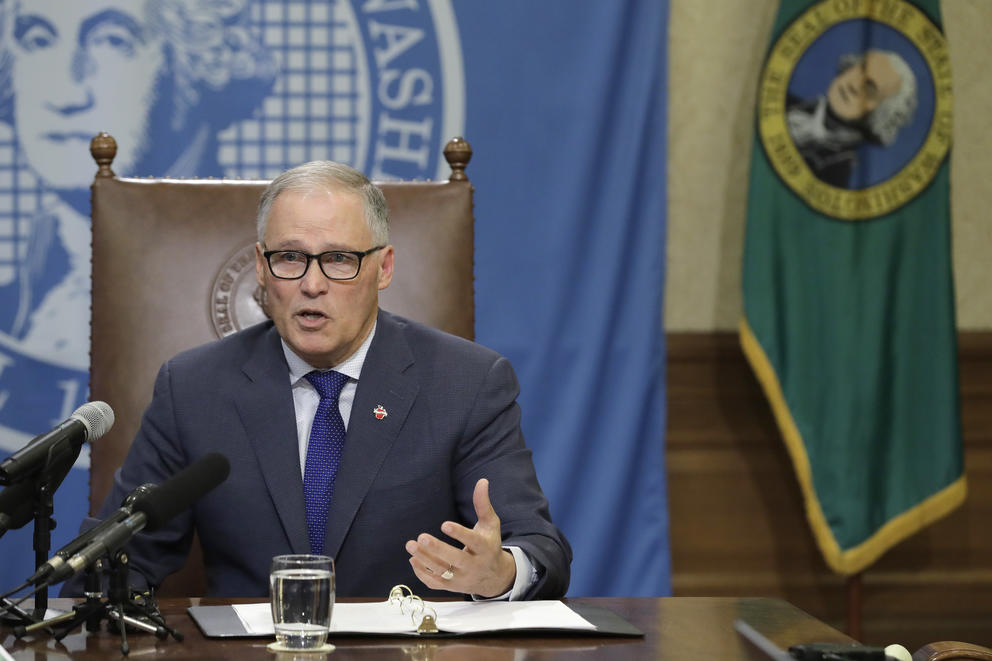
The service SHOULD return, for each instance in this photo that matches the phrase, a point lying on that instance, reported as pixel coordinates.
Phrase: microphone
(17, 502)
(16, 506)
(83, 540)
(149, 512)
(87, 423)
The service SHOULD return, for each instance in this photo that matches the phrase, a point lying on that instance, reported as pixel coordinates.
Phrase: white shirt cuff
(526, 577)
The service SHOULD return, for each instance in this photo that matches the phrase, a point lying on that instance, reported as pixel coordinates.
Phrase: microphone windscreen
(179, 492)
(97, 417)
(137, 494)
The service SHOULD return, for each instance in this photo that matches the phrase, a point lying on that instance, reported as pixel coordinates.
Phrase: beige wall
(715, 50)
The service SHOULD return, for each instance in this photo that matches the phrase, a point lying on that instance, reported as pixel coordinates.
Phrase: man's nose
(314, 282)
(76, 95)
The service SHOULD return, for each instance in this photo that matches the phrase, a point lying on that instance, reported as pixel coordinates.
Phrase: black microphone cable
(17, 589)
(14, 604)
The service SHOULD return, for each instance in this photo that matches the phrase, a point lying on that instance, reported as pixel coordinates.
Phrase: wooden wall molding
(737, 521)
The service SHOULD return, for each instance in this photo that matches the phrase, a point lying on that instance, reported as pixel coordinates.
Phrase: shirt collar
(350, 366)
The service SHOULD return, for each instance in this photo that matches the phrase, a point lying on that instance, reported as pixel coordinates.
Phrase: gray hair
(216, 53)
(895, 112)
(329, 176)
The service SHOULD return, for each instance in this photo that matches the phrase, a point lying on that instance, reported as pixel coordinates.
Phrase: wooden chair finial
(458, 153)
(103, 148)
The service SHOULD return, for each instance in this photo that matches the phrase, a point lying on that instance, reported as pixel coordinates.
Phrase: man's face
(323, 321)
(859, 90)
(79, 68)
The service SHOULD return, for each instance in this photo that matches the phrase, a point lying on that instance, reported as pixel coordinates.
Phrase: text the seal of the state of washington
(857, 132)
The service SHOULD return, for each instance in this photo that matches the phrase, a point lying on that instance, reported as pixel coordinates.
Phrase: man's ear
(386, 266)
(260, 265)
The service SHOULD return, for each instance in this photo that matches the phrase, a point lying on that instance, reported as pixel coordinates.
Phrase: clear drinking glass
(301, 589)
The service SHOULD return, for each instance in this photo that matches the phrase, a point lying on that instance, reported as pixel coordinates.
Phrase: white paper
(257, 618)
(452, 616)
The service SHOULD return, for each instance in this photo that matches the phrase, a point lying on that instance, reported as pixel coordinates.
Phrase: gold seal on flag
(854, 108)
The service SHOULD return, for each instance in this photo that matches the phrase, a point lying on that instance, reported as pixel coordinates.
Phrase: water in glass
(302, 600)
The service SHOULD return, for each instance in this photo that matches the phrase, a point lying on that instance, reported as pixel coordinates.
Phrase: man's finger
(427, 575)
(483, 506)
(435, 548)
(460, 533)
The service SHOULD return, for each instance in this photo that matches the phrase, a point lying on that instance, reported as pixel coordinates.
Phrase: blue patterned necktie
(323, 453)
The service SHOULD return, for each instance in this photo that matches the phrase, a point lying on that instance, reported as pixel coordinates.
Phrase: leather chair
(951, 650)
(174, 267)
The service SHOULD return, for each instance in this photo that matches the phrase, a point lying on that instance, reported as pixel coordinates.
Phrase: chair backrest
(952, 650)
(173, 267)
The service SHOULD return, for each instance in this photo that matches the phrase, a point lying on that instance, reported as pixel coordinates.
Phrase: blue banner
(565, 109)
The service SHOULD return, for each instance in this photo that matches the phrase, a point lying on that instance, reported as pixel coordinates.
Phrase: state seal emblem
(857, 132)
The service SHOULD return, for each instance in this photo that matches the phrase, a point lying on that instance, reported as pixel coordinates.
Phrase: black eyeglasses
(334, 264)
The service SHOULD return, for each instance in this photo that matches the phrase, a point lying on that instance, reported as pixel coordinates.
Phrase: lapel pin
(379, 412)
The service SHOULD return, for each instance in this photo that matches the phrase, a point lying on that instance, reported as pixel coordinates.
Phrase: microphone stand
(44, 523)
(58, 463)
(12, 613)
(115, 608)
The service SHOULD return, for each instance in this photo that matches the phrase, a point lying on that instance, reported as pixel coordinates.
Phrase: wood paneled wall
(737, 521)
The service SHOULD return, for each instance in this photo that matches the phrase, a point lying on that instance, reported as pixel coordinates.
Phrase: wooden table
(676, 629)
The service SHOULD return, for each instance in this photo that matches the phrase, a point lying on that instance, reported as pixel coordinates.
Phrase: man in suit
(434, 481)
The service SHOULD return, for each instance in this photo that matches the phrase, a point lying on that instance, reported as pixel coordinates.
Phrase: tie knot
(328, 384)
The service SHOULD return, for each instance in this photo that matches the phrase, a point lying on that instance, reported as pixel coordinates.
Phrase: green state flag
(847, 285)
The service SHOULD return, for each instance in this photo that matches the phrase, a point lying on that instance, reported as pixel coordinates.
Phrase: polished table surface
(676, 629)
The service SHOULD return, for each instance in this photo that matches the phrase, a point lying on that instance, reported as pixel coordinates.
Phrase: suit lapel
(269, 416)
(383, 383)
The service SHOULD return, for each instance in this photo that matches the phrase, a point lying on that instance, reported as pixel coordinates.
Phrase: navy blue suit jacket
(452, 419)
